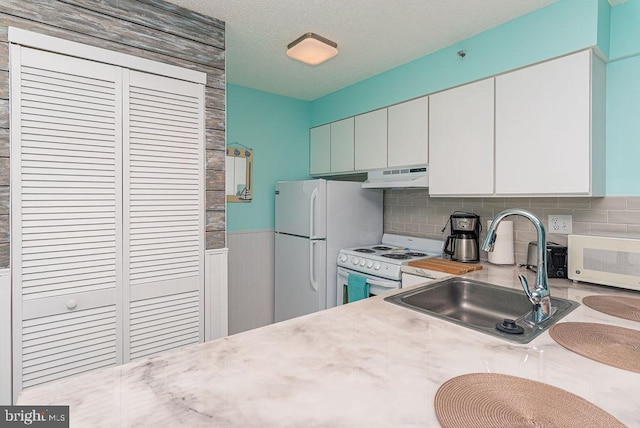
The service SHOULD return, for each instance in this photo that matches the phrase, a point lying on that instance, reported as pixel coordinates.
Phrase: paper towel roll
(503, 251)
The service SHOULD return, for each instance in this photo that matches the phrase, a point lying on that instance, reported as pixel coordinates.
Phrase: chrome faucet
(540, 297)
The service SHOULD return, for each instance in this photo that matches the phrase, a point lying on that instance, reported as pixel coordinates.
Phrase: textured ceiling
(372, 36)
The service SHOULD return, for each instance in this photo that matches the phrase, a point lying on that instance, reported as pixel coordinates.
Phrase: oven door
(377, 285)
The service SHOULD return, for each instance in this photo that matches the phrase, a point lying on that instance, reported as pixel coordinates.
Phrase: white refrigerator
(314, 220)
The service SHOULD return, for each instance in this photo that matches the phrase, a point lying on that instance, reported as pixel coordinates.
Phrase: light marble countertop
(366, 364)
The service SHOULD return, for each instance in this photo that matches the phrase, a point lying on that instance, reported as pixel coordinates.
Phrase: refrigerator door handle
(312, 267)
(312, 213)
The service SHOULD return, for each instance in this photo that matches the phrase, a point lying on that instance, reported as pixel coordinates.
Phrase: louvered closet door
(164, 213)
(66, 205)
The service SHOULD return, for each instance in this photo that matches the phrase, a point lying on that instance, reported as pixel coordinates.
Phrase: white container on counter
(503, 250)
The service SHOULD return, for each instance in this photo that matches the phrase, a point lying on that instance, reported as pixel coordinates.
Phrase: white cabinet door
(409, 133)
(408, 280)
(320, 150)
(426, 276)
(461, 140)
(543, 128)
(342, 136)
(371, 140)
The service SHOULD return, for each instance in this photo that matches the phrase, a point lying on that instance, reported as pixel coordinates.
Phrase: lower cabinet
(425, 276)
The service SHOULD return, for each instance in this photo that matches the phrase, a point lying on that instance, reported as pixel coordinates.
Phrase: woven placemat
(618, 306)
(609, 344)
(483, 400)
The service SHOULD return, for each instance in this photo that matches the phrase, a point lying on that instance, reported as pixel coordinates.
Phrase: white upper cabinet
(342, 140)
(537, 131)
(549, 138)
(390, 137)
(371, 140)
(408, 133)
(320, 150)
(461, 140)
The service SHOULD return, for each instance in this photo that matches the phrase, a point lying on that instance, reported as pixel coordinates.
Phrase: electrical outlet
(560, 223)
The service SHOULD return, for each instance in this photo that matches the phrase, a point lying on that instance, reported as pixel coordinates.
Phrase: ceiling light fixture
(312, 49)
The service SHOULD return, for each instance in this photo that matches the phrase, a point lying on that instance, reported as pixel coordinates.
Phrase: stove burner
(364, 250)
(382, 248)
(415, 254)
(396, 256)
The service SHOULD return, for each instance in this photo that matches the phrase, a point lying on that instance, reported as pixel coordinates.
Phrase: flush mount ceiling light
(312, 49)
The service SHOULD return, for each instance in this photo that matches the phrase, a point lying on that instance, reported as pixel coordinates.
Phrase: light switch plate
(560, 223)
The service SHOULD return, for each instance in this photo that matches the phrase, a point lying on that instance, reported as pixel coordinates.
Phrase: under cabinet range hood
(416, 177)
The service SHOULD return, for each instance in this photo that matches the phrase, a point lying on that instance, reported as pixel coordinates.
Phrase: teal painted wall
(563, 27)
(277, 129)
(604, 27)
(623, 101)
(625, 30)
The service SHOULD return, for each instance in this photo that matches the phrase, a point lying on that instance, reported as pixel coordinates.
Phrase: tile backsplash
(414, 212)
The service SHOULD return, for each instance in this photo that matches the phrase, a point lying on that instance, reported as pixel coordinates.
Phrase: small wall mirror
(239, 174)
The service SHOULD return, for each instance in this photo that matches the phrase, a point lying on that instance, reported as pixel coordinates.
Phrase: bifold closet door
(163, 213)
(107, 206)
(66, 206)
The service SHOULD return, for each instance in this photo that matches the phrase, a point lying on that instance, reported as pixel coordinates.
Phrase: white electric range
(381, 263)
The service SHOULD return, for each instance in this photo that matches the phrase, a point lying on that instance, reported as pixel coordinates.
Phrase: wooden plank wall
(151, 29)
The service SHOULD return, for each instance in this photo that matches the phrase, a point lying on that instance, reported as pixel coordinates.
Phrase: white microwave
(604, 260)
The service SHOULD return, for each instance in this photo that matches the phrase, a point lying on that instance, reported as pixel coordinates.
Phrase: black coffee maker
(463, 243)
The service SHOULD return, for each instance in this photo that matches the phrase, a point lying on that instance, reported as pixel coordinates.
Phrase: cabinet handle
(71, 304)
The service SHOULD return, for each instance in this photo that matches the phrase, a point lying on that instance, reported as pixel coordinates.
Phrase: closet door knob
(71, 304)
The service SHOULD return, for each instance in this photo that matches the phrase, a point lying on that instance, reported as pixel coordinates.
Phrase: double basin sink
(481, 306)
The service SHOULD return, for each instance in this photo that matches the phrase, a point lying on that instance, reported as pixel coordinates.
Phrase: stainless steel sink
(480, 306)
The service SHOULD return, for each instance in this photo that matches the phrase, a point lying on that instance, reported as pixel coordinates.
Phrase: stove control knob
(369, 264)
(354, 261)
(362, 262)
(377, 266)
(343, 258)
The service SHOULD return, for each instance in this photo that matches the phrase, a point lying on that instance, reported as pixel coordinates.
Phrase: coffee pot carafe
(463, 242)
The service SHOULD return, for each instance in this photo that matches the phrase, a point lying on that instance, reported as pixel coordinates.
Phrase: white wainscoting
(216, 294)
(5, 337)
(251, 279)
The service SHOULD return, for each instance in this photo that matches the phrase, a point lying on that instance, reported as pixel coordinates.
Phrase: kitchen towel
(357, 288)
(503, 250)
